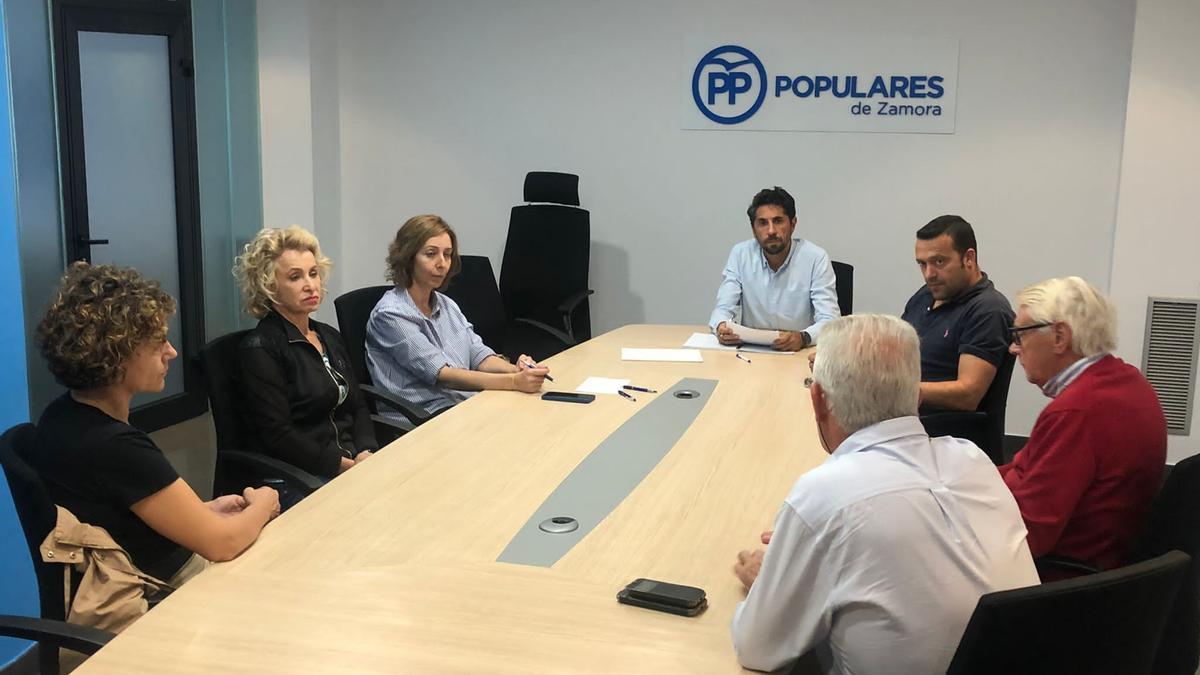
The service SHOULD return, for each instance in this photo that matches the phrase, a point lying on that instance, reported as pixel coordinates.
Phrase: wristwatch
(805, 339)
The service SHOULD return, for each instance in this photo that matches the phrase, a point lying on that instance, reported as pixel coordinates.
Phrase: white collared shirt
(801, 295)
(880, 555)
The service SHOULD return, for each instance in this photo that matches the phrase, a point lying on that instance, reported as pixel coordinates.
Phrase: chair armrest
(388, 430)
(398, 428)
(1062, 562)
(77, 638)
(557, 334)
(572, 301)
(261, 464)
(413, 413)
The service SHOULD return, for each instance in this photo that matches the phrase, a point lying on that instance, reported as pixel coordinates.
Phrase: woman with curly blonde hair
(104, 337)
(298, 390)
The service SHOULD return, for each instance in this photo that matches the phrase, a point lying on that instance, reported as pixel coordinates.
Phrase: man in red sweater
(1094, 461)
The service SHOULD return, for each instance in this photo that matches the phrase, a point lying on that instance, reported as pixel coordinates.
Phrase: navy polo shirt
(974, 323)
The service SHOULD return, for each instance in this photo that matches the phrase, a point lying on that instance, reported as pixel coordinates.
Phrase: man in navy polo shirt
(961, 318)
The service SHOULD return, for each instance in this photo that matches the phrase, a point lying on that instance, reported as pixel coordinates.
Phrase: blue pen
(622, 392)
(530, 365)
(631, 387)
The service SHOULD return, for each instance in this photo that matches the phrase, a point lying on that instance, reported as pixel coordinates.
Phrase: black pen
(739, 355)
(530, 365)
(630, 387)
(622, 392)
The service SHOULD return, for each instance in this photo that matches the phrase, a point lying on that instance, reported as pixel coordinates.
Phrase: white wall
(1157, 239)
(443, 107)
(298, 100)
(285, 108)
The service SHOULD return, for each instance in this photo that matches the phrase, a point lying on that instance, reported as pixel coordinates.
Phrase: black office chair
(38, 517)
(544, 274)
(1108, 622)
(353, 312)
(844, 279)
(238, 467)
(983, 427)
(1174, 524)
(478, 296)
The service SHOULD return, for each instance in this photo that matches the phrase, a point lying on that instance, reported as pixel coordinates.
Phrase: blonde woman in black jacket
(299, 395)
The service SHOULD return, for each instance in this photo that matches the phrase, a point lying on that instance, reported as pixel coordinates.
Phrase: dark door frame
(170, 18)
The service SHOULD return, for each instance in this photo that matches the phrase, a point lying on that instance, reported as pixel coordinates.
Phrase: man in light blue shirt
(880, 554)
(776, 281)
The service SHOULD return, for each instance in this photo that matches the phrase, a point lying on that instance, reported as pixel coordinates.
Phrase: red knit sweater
(1093, 463)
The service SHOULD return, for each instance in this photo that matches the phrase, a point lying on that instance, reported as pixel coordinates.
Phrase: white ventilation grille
(1169, 357)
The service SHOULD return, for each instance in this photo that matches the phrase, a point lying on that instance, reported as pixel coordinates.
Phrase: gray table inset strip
(606, 476)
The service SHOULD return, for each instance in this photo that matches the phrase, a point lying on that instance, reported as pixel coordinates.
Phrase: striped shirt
(1067, 375)
(406, 349)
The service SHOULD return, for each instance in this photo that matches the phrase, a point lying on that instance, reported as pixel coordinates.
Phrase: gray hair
(1080, 305)
(869, 367)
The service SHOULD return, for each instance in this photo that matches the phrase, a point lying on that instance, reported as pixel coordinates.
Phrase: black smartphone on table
(568, 397)
(664, 597)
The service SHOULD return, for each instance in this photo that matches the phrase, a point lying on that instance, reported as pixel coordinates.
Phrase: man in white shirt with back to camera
(775, 281)
(879, 555)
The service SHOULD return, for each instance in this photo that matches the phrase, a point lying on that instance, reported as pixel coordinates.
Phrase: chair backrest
(35, 509)
(553, 187)
(1174, 524)
(547, 253)
(844, 278)
(219, 365)
(353, 311)
(1107, 622)
(478, 296)
(38, 516)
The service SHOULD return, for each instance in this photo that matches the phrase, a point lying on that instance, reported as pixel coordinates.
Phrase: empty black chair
(544, 274)
(353, 312)
(844, 279)
(1109, 622)
(38, 517)
(983, 427)
(237, 466)
(474, 289)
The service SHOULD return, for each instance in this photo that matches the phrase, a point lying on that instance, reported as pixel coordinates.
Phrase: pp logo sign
(729, 84)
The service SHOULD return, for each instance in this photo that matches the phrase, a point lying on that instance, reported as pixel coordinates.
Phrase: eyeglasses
(1014, 332)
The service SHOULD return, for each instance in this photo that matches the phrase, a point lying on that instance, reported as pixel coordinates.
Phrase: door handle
(93, 242)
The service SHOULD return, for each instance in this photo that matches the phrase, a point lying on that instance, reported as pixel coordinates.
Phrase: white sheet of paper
(709, 341)
(634, 354)
(753, 336)
(601, 385)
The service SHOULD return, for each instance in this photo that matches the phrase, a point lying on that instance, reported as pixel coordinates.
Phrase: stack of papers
(753, 336)
(633, 354)
(709, 341)
(601, 385)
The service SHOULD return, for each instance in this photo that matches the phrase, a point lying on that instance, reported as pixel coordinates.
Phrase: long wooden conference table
(393, 567)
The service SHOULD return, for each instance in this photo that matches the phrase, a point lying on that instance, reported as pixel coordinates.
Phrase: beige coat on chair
(112, 592)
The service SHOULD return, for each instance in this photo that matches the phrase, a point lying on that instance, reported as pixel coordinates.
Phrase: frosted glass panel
(126, 100)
